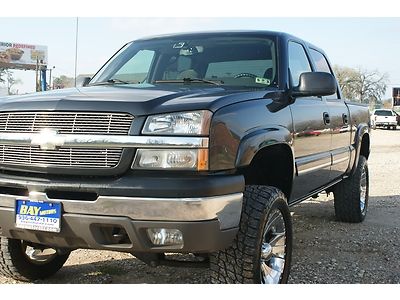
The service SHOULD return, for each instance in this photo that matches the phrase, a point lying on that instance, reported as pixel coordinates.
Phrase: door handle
(345, 119)
(327, 119)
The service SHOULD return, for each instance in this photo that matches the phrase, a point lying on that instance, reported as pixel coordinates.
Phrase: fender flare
(259, 139)
(362, 130)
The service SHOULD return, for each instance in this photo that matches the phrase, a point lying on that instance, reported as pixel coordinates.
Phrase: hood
(134, 100)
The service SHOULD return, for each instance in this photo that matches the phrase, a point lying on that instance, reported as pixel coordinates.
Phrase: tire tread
(347, 196)
(236, 264)
(14, 265)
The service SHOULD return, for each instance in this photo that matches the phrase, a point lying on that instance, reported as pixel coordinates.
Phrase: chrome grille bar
(63, 157)
(66, 122)
(105, 141)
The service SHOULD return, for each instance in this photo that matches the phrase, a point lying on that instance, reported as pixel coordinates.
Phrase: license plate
(38, 215)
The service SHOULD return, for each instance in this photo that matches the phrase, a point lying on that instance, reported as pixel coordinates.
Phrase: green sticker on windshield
(261, 80)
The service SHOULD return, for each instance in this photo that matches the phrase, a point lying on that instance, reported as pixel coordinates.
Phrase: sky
(367, 43)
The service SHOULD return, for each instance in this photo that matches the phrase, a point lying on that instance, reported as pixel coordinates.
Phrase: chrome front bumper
(226, 208)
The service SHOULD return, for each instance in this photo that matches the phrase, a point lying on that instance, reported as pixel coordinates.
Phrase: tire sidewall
(26, 270)
(281, 205)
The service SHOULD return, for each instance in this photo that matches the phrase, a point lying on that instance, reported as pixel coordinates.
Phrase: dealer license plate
(40, 215)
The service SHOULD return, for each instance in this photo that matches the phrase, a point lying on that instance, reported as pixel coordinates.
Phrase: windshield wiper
(189, 80)
(111, 81)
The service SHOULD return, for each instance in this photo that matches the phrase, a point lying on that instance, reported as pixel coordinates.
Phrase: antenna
(76, 46)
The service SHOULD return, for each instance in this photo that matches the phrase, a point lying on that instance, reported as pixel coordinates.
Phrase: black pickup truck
(188, 143)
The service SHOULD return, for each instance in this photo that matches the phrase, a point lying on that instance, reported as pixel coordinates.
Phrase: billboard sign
(396, 96)
(21, 56)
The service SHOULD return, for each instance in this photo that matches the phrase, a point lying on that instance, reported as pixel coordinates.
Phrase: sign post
(396, 97)
(43, 80)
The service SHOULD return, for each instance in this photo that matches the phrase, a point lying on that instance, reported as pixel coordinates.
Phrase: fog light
(165, 237)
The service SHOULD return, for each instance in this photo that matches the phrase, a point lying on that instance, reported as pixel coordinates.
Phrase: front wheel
(262, 249)
(22, 261)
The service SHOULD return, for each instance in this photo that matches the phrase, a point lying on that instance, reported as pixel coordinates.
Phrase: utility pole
(76, 47)
(51, 69)
(8, 83)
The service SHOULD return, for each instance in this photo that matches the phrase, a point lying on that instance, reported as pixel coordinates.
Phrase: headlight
(175, 159)
(182, 123)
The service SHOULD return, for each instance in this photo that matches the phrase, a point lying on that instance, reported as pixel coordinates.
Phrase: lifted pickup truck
(191, 143)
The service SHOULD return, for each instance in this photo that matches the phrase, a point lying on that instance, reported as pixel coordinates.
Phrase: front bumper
(208, 221)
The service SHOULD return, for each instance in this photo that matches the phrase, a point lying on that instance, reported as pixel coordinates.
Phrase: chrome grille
(67, 122)
(62, 157)
(64, 123)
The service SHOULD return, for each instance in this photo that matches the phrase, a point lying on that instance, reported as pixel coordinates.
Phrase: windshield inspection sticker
(261, 80)
(179, 45)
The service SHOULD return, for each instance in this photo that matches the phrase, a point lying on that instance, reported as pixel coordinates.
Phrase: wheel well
(365, 144)
(272, 166)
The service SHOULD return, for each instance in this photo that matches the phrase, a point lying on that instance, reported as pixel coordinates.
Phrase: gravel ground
(325, 251)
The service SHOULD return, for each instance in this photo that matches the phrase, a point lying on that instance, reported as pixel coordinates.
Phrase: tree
(7, 77)
(11, 81)
(387, 103)
(362, 85)
(2, 74)
(63, 82)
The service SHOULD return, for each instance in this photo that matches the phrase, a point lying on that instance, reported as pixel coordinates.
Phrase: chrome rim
(38, 256)
(363, 189)
(273, 249)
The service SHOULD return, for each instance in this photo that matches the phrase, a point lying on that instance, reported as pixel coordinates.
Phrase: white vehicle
(384, 118)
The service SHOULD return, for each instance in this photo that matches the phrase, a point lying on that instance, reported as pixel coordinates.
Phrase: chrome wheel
(38, 256)
(273, 249)
(363, 190)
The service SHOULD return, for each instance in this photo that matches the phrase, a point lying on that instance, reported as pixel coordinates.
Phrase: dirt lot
(325, 251)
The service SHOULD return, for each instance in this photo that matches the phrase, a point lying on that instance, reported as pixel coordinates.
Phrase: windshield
(385, 113)
(233, 61)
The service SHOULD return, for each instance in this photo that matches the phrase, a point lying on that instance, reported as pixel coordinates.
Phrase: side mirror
(84, 81)
(315, 84)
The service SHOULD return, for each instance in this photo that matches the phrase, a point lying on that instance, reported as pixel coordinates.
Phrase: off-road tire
(240, 263)
(347, 195)
(15, 264)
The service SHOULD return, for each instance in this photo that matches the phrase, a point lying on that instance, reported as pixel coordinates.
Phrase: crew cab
(186, 143)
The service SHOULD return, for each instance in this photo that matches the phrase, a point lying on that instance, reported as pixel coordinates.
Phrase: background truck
(385, 118)
(188, 143)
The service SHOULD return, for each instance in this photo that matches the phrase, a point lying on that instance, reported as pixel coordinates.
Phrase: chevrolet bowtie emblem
(47, 139)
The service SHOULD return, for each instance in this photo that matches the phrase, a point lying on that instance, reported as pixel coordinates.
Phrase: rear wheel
(22, 261)
(351, 195)
(262, 249)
